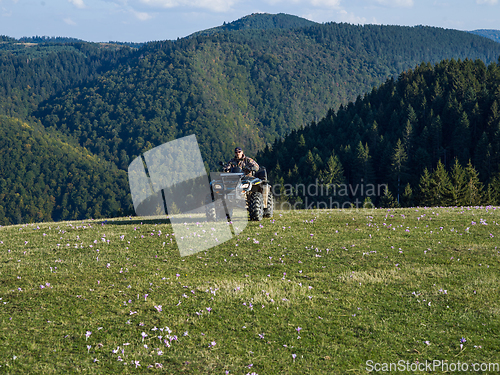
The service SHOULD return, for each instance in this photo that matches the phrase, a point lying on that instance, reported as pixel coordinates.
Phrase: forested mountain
(488, 33)
(432, 136)
(243, 87)
(32, 72)
(45, 179)
(260, 21)
(247, 84)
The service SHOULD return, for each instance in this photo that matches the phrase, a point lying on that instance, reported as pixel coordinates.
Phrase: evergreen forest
(308, 100)
(430, 137)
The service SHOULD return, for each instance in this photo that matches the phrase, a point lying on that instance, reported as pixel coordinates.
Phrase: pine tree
(364, 164)
(333, 174)
(425, 196)
(483, 157)
(399, 159)
(458, 184)
(387, 200)
(407, 197)
(311, 164)
(441, 186)
(493, 192)
(436, 133)
(461, 139)
(280, 193)
(474, 190)
(302, 141)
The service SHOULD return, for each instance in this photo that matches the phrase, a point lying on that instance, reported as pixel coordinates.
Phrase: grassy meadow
(306, 292)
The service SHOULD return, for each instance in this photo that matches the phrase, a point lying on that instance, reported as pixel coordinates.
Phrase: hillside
(488, 33)
(35, 69)
(45, 179)
(416, 134)
(245, 87)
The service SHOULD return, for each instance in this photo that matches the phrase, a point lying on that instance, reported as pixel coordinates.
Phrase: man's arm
(252, 164)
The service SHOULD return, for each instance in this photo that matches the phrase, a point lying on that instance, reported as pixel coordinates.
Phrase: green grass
(362, 285)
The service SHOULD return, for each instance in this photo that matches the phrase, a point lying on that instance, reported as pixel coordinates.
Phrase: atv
(236, 189)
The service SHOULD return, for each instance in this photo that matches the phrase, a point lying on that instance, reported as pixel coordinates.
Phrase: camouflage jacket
(245, 163)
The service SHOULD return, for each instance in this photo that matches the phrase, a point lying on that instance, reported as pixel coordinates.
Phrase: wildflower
(462, 342)
(87, 335)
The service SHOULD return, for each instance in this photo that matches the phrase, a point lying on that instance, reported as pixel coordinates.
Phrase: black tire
(269, 211)
(256, 206)
(210, 208)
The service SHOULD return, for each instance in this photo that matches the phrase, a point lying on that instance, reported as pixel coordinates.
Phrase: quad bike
(237, 189)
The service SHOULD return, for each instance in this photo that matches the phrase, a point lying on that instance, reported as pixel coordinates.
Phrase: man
(245, 163)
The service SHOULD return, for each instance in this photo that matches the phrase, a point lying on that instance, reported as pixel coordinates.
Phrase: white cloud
(142, 16)
(77, 3)
(399, 3)
(69, 21)
(213, 5)
(489, 2)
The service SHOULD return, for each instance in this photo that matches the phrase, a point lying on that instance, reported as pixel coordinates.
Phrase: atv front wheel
(210, 208)
(256, 206)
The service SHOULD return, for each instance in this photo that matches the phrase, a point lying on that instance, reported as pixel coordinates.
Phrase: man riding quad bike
(242, 184)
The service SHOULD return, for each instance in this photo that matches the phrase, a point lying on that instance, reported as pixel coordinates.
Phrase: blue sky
(146, 20)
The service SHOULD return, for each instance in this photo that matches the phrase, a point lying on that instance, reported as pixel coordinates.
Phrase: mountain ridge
(488, 33)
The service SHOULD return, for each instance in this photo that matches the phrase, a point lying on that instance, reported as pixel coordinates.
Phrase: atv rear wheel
(256, 206)
(269, 211)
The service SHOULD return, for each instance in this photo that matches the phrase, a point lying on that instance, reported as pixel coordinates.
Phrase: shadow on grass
(150, 220)
(135, 221)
